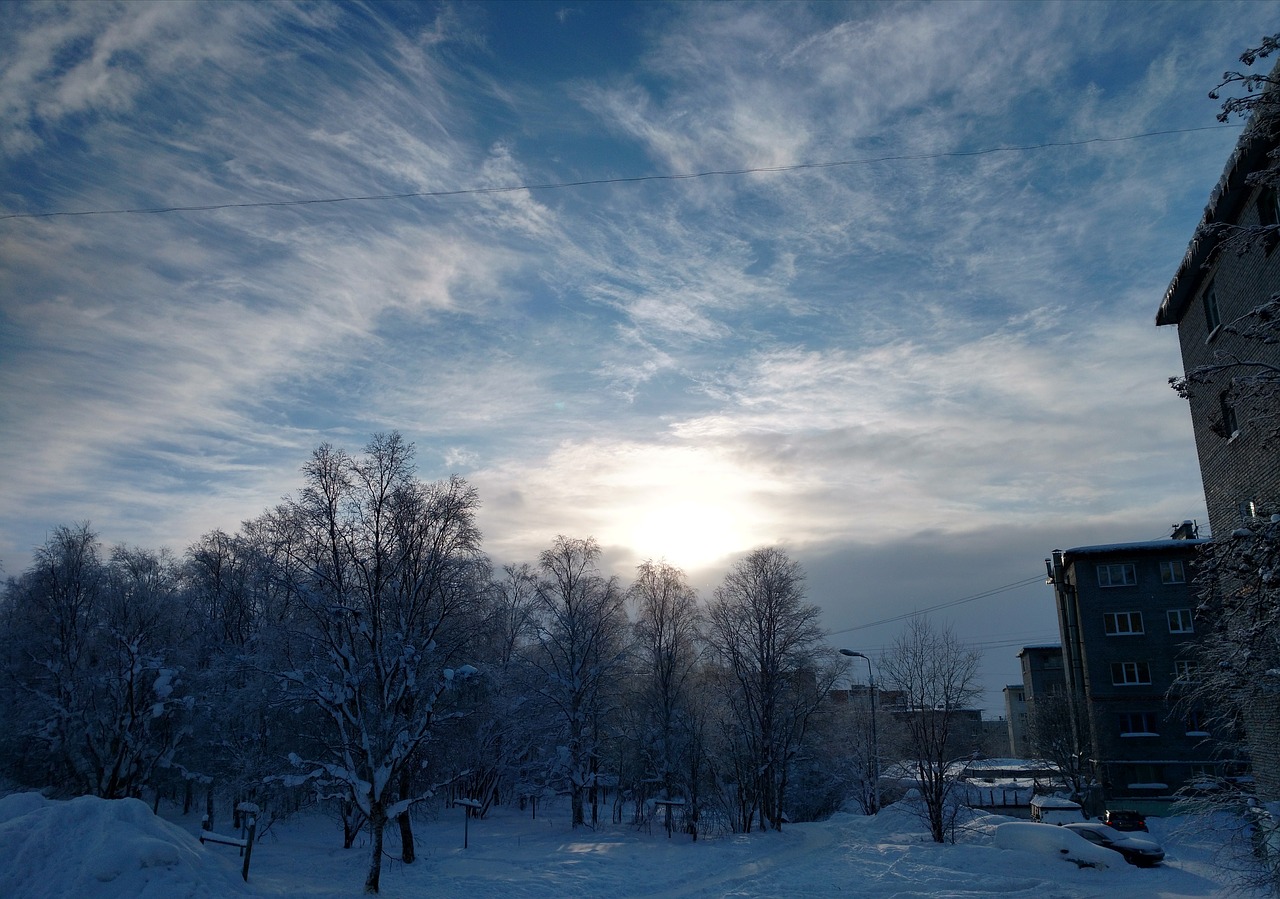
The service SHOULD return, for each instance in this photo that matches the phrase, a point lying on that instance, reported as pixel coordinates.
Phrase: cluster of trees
(354, 645)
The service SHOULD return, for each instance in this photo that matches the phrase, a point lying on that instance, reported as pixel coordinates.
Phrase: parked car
(1058, 842)
(1124, 819)
(1136, 850)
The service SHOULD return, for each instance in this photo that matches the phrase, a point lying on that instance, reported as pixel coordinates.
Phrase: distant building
(1125, 615)
(1042, 673)
(1015, 716)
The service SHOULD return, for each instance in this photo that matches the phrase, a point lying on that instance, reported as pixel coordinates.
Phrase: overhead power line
(636, 179)
(943, 605)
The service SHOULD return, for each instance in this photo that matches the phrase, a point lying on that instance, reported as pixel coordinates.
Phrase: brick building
(1231, 267)
(1125, 615)
(1214, 286)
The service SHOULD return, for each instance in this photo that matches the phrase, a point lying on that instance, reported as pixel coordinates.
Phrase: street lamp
(875, 743)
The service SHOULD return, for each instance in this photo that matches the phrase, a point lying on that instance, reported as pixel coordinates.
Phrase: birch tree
(668, 649)
(766, 642)
(385, 566)
(579, 655)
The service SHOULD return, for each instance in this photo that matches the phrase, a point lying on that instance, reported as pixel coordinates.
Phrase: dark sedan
(1136, 850)
(1124, 819)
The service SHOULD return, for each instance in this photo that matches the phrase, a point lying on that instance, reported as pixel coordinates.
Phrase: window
(1128, 674)
(1172, 573)
(1247, 510)
(1184, 671)
(1212, 317)
(1119, 624)
(1138, 724)
(1180, 622)
(1230, 426)
(1195, 725)
(1121, 574)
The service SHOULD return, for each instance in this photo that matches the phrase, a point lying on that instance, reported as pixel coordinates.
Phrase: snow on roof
(1134, 547)
(1054, 802)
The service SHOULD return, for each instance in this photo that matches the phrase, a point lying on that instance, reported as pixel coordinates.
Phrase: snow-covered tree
(766, 646)
(93, 660)
(579, 657)
(385, 567)
(668, 649)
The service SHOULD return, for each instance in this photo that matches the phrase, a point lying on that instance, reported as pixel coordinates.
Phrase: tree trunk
(407, 854)
(377, 824)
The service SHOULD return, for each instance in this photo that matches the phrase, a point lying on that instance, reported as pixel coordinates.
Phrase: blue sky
(919, 371)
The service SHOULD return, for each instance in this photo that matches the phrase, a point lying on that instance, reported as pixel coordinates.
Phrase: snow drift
(107, 849)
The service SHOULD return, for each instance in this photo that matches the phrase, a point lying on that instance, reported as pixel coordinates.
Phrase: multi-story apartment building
(1230, 269)
(1125, 615)
(1223, 276)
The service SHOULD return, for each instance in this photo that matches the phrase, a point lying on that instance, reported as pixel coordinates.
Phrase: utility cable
(636, 179)
(944, 605)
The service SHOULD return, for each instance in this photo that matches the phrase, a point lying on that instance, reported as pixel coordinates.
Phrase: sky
(873, 282)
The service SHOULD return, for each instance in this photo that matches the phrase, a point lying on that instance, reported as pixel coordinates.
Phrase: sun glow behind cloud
(689, 505)
(857, 354)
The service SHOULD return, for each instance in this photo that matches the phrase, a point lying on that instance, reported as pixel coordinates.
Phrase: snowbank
(105, 849)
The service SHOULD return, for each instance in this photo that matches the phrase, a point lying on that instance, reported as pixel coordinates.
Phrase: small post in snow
(467, 805)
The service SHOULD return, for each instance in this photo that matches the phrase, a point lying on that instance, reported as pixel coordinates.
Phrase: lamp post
(875, 743)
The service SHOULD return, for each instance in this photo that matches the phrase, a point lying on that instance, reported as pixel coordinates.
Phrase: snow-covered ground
(112, 850)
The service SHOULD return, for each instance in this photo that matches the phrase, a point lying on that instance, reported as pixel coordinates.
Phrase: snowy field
(95, 849)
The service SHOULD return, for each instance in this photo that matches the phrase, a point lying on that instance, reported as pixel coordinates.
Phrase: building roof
(1225, 204)
(1145, 546)
(1047, 647)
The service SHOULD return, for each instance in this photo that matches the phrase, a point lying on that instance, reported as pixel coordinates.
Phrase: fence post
(248, 848)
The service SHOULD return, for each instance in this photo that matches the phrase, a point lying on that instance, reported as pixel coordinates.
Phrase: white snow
(98, 849)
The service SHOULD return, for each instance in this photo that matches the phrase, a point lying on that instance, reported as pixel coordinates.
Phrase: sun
(689, 534)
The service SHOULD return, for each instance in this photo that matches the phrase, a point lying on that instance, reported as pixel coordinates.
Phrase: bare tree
(937, 677)
(384, 566)
(1060, 731)
(668, 650)
(767, 644)
(580, 654)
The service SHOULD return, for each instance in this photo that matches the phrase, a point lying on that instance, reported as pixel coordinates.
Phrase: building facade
(1231, 268)
(1042, 673)
(1125, 615)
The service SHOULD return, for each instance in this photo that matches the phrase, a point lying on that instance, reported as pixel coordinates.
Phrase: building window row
(1118, 574)
(1127, 624)
(1125, 574)
(1147, 724)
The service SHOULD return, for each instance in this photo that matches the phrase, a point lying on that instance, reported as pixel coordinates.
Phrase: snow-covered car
(1030, 836)
(1136, 850)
